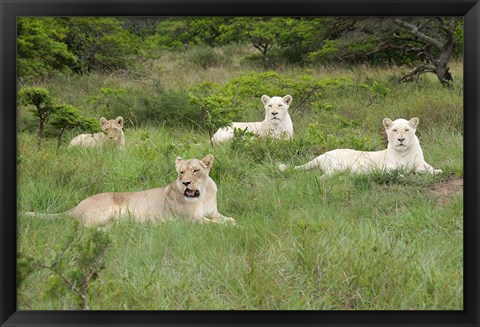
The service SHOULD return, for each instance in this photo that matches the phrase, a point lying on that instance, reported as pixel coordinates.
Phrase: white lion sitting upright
(277, 122)
(403, 152)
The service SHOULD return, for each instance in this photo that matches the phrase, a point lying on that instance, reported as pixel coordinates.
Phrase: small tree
(66, 117)
(73, 266)
(44, 106)
(261, 32)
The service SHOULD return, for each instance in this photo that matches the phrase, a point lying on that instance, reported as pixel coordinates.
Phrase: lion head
(193, 178)
(276, 108)
(401, 133)
(112, 128)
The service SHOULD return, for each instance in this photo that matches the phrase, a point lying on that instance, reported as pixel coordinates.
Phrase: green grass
(366, 242)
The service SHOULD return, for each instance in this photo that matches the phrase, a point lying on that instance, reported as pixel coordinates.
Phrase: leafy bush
(73, 265)
(205, 57)
(41, 47)
(146, 107)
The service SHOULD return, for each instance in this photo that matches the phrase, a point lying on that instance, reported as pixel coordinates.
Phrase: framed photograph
(239, 162)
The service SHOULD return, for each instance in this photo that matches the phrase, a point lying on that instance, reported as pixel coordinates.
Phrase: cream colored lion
(403, 152)
(112, 131)
(277, 122)
(193, 196)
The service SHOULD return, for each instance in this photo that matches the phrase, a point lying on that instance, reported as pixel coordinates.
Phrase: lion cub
(193, 195)
(112, 131)
(403, 152)
(277, 122)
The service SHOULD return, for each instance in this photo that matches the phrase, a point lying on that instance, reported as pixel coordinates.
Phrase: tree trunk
(40, 132)
(441, 64)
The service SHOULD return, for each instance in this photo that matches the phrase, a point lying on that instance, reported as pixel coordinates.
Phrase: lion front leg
(202, 220)
(217, 217)
(425, 167)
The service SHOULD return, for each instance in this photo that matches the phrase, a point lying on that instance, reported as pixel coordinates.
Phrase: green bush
(41, 47)
(146, 107)
(205, 57)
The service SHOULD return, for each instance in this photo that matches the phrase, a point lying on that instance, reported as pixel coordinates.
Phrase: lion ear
(119, 120)
(103, 121)
(288, 99)
(178, 161)
(265, 99)
(414, 122)
(387, 122)
(208, 161)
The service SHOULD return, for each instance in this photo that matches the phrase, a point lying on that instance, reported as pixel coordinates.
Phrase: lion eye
(395, 130)
(181, 173)
(406, 130)
(196, 171)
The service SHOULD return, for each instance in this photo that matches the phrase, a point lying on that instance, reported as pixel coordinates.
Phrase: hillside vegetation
(383, 241)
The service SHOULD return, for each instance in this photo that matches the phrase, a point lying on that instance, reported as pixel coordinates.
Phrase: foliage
(43, 103)
(41, 47)
(206, 57)
(99, 43)
(85, 44)
(303, 242)
(142, 108)
(72, 266)
(79, 44)
(215, 103)
(260, 31)
(175, 32)
(67, 117)
(221, 104)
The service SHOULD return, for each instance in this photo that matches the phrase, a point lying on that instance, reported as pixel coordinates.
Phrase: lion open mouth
(191, 193)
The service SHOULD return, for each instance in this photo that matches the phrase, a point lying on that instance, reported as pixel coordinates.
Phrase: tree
(40, 47)
(261, 32)
(43, 103)
(437, 39)
(427, 43)
(66, 117)
(99, 43)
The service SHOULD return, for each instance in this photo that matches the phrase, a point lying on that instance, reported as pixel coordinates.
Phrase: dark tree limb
(444, 42)
(415, 30)
(417, 72)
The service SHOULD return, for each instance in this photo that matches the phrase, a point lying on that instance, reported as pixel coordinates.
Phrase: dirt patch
(445, 190)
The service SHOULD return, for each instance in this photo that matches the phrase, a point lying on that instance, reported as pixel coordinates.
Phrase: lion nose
(401, 140)
(274, 113)
(186, 183)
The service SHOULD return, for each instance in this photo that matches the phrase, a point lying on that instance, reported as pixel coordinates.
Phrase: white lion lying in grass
(112, 131)
(403, 152)
(277, 121)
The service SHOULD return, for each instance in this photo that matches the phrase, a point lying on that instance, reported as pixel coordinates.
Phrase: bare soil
(445, 190)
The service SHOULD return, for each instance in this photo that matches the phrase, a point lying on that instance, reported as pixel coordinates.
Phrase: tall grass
(367, 242)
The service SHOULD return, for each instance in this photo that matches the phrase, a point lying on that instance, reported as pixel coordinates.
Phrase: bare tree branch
(415, 31)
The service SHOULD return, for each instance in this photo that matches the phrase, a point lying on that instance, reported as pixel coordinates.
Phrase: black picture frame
(9, 10)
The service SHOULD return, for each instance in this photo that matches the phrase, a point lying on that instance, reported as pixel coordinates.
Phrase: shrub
(73, 266)
(205, 57)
